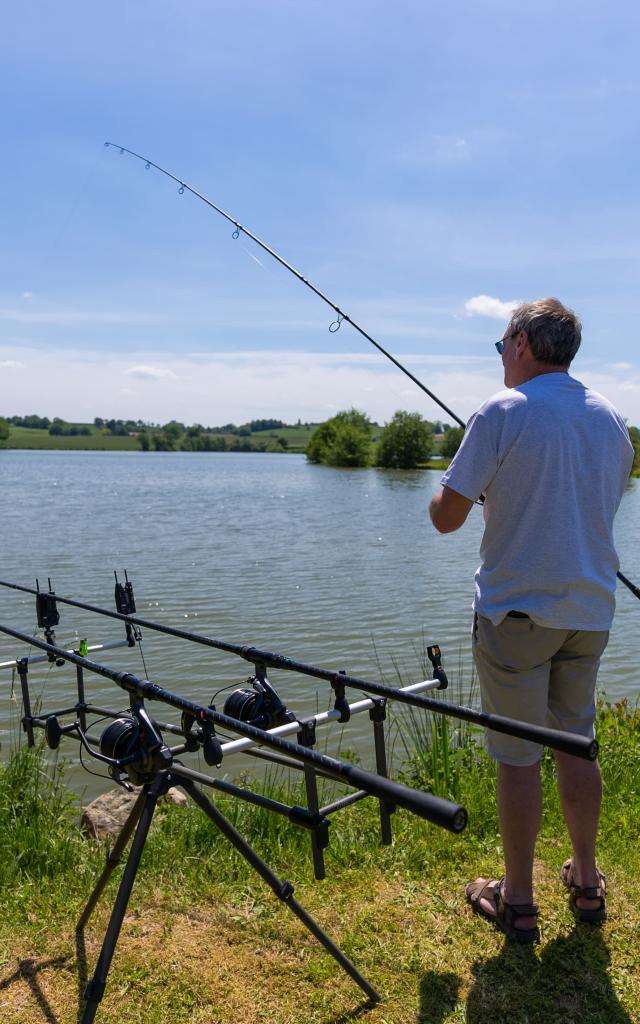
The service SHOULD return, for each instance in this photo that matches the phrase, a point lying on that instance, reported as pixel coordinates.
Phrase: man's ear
(522, 344)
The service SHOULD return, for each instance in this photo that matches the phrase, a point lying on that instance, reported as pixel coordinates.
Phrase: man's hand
(449, 510)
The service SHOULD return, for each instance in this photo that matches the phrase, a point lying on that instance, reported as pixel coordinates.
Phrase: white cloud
(235, 386)
(12, 364)
(151, 373)
(622, 366)
(27, 295)
(487, 305)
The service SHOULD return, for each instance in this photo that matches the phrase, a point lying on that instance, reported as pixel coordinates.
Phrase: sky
(426, 166)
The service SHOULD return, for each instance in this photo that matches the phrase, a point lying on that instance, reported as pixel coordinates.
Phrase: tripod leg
(377, 717)
(95, 988)
(113, 859)
(313, 805)
(282, 889)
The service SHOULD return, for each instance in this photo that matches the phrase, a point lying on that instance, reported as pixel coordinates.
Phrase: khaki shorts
(538, 675)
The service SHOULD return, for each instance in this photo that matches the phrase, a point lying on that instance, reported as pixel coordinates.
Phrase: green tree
(634, 434)
(173, 431)
(162, 443)
(344, 440)
(405, 441)
(5, 429)
(452, 441)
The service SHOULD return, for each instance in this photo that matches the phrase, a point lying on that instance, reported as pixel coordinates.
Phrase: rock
(106, 815)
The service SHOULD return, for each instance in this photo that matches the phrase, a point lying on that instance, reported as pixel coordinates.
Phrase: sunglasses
(500, 344)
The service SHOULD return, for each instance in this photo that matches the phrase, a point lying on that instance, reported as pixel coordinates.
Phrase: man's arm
(449, 510)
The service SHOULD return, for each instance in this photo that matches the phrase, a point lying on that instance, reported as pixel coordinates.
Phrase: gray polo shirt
(552, 458)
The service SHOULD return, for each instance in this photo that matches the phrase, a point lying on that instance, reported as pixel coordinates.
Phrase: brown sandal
(585, 892)
(506, 914)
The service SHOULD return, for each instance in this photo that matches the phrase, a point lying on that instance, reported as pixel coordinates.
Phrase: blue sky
(409, 159)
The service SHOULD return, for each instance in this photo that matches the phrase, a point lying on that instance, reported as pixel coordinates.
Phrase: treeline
(175, 436)
(59, 427)
(406, 442)
(349, 438)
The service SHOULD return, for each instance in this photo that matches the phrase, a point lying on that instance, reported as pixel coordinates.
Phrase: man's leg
(513, 662)
(519, 811)
(580, 789)
(572, 706)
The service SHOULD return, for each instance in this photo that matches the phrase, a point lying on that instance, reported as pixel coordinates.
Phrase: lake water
(337, 568)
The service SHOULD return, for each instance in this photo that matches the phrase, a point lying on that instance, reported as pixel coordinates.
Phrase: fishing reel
(135, 748)
(259, 706)
(132, 747)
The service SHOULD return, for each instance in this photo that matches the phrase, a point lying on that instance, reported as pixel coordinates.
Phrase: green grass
(204, 939)
(24, 437)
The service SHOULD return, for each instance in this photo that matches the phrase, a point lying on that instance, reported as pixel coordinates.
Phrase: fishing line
(49, 251)
(341, 316)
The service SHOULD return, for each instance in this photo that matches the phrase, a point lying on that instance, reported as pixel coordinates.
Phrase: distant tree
(116, 428)
(173, 430)
(283, 442)
(405, 441)
(5, 429)
(344, 440)
(98, 422)
(31, 422)
(257, 425)
(162, 443)
(57, 427)
(452, 441)
(215, 444)
(634, 434)
(144, 440)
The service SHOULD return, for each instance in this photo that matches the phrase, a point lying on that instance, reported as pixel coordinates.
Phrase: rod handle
(579, 746)
(434, 808)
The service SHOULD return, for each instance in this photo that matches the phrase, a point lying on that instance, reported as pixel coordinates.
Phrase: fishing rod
(579, 746)
(435, 809)
(632, 587)
(342, 317)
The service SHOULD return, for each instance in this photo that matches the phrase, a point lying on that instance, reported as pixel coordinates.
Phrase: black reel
(137, 748)
(242, 704)
(260, 706)
(120, 739)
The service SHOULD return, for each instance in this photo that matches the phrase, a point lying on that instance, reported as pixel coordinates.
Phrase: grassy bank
(205, 941)
(282, 439)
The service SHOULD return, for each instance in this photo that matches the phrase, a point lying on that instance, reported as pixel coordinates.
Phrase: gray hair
(554, 332)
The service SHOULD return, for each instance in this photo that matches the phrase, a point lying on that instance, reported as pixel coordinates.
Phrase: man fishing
(552, 458)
